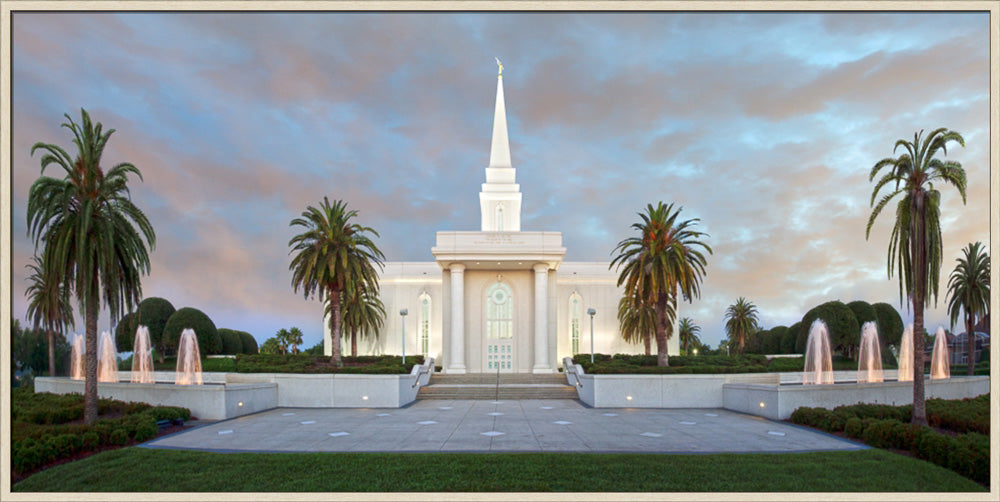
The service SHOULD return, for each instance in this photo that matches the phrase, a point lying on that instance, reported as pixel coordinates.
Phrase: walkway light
(591, 312)
(402, 315)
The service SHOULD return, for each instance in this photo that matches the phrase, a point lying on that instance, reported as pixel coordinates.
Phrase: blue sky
(763, 125)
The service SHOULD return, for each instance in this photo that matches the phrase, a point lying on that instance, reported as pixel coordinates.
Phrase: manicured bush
(788, 339)
(125, 332)
(209, 341)
(249, 344)
(844, 330)
(232, 342)
(863, 312)
(966, 415)
(820, 418)
(307, 363)
(890, 324)
(153, 313)
(780, 364)
(772, 342)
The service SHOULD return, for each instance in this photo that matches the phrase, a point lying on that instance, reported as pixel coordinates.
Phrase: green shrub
(209, 341)
(125, 332)
(789, 338)
(790, 364)
(153, 313)
(168, 413)
(249, 343)
(890, 324)
(232, 343)
(820, 418)
(842, 326)
(853, 427)
(772, 342)
(966, 415)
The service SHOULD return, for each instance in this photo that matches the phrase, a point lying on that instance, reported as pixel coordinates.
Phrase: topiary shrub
(772, 342)
(153, 313)
(890, 324)
(844, 330)
(788, 339)
(232, 342)
(209, 341)
(125, 332)
(249, 343)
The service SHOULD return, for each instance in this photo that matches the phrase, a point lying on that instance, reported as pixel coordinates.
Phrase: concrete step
(490, 392)
(512, 386)
(504, 379)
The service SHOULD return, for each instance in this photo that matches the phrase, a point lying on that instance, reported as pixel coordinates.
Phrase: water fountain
(939, 358)
(76, 357)
(188, 359)
(869, 355)
(905, 359)
(107, 359)
(819, 360)
(142, 357)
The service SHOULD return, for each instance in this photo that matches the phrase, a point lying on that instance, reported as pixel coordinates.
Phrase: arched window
(499, 328)
(575, 303)
(424, 323)
(499, 217)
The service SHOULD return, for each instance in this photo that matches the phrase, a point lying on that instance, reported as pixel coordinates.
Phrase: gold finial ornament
(500, 73)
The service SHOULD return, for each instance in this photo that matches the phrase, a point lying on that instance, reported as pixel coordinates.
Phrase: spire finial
(500, 73)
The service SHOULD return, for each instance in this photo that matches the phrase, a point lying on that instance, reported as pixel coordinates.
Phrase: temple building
(499, 299)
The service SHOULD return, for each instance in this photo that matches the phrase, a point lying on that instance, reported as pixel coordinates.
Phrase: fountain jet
(905, 372)
(819, 360)
(939, 358)
(76, 357)
(188, 359)
(869, 355)
(107, 359)
(142, 357)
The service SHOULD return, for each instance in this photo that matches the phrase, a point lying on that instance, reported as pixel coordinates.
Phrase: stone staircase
(512, 386)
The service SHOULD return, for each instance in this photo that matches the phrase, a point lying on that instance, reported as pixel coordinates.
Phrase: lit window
(574, 323)
(424, 324)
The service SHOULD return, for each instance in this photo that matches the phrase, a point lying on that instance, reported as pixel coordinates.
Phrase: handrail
(571, 369)
(422, 369)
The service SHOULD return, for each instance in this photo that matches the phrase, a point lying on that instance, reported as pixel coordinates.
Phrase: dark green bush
(966, 415)
(125, 332)
(249, 344)
(169, 413)
(772, 342)
(789, 338)
(843, 327)
(853, 427)
(232, 343)
(820, 418)
(153, 313)
(209, 341)
(890, 324)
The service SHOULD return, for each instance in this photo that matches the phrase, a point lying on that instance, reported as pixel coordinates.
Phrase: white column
(541, 319)
(456, 364)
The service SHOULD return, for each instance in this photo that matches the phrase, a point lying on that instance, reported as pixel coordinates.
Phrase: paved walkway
(506, 426)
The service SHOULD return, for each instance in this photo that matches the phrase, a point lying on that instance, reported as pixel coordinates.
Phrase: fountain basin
(206, 402)
(777, 402)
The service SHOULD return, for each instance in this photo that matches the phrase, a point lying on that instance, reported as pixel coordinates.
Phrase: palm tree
(688, 330)
(281, 338)
(95, 238)
(48, 305)
(663, 260)
(363, 312)
(969, 290)
(915, 243)
(333, 255)
(741, 321)
(294, 339)
(637, 321)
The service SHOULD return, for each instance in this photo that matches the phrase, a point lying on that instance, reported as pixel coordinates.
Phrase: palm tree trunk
(647, 341)
(660, 308)
(354, 342)
(52, 354)
(970, 339)
(90, 368)
(919, 283)
(335, 320)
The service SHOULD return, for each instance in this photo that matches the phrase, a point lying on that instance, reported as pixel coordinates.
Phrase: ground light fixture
(591, 311)
(402, 315)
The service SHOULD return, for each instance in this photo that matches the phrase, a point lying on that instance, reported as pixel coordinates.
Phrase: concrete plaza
(556, 425)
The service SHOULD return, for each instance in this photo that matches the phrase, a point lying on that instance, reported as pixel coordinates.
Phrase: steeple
(500, 149)
(500, 200)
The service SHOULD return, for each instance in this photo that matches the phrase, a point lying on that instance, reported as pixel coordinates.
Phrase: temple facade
(498, 299)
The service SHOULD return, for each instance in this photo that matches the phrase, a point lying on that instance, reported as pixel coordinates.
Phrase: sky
(764, 126)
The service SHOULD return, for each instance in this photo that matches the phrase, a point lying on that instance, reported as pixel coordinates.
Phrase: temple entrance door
(499, 329)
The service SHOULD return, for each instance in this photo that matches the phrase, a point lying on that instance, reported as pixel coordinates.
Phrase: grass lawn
(141, 469)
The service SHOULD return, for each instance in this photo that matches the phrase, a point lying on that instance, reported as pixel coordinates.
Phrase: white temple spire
(500, 200)
(500, 149)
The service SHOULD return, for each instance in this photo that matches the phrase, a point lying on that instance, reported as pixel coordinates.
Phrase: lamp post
(591, 313)
(402, 315)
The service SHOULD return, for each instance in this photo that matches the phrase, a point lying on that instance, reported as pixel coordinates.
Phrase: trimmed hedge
(249, 343)
(884, 426)
(40, 434)
(308, 363)
(842, 326)
(209, 341)
(153, 313)
(232, 342)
